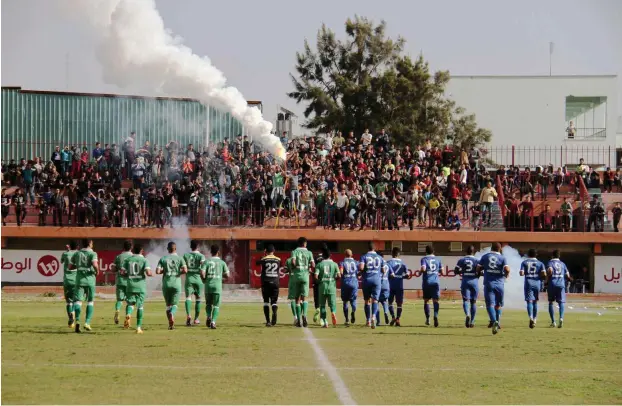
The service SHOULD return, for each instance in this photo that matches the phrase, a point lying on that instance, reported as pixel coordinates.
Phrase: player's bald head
(171, 247)
(496, 247)
(348, 253)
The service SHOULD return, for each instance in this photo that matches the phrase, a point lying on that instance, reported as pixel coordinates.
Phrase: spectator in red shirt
(454, 193)
(526, 212)
(546, 219)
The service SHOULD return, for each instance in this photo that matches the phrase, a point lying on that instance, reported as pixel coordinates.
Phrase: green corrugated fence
(34, 122)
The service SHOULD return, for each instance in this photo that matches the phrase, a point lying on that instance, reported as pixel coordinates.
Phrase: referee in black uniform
(270, 267)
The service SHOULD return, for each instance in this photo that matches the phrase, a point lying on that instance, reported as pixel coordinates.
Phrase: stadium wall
(530, 111)
(33, 122)
(600, 253)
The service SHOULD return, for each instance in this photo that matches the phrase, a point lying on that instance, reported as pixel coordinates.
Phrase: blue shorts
(384, 294)
(431, 292)
(470, 290)
(397, 296)
(348, 293)
(557, 294)
(371, 290)
(494, 295)
(532, 292)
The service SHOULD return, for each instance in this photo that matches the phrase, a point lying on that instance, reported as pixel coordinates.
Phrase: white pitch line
(292, 368)
(340, 386)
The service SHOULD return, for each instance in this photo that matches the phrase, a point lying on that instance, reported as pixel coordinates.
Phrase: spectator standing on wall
(98, 154)
(486, 199)
(129, 150)
(570, 130)
(66, 156)
(57, 159)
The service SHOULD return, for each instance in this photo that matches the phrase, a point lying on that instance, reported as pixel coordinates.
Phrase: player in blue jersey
(430, 271)
(385, 290)
(467, 267)
(349, 268)
(372, 266)
(397, 273)
(557, 275)
(495, 271)
(533, 271)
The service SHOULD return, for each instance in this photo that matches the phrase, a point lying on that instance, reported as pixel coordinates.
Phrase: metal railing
(597, 156)
(587, 134)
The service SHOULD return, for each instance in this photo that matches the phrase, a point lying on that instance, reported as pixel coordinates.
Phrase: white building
(529, 117)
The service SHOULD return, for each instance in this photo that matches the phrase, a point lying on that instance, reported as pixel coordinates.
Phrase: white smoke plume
(513, 297)
(137, 50)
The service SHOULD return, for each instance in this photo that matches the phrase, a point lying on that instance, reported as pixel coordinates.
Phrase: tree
(365, 82)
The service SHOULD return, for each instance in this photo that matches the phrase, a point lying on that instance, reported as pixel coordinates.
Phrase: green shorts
(121, 293)
(84, 293)
(171, 294)
(135, 298)
(212, 299)
(329, 299)
(300, 287)
(194, 286)
(69, 290)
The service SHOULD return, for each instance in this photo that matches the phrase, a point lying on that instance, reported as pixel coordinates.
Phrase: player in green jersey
(171, 267)
(289, 270)
(326, 274)
(194, 284)
(86, 264)
(120, 280)
(69, 281)
(215, 270)
(303, 262)
(136, 269)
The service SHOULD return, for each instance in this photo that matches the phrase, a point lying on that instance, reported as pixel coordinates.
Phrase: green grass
(244, 362)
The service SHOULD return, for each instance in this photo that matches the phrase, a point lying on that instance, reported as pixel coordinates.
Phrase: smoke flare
(137, 50)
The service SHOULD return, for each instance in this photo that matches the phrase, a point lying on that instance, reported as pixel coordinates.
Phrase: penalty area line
(338, 384)
(293, 368)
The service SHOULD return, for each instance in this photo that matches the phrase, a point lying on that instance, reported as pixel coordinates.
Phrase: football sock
(391, 311)
(77, 307)
(535, 310)
(399, 311)
(266, 312)
(197, 309)
(426, 310)
(437, 306)
(117, 305)
(473, 310)
(304, 308)
(187, 305)
(561, 310)
(367, 312)
(465, 307)
(491, 313)
(552, 312)
(139, 317)
(215, 313)
(530, 310)
(498, 312)
(89, 312)
(374, 309)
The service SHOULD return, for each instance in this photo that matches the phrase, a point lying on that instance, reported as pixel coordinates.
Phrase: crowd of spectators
(332, 181)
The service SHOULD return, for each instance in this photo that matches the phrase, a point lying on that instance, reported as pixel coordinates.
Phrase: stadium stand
(332, 181)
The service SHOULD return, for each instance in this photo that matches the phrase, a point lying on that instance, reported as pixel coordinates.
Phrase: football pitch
(244, 362)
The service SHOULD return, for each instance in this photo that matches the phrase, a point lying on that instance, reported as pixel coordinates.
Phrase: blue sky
(254, 43)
